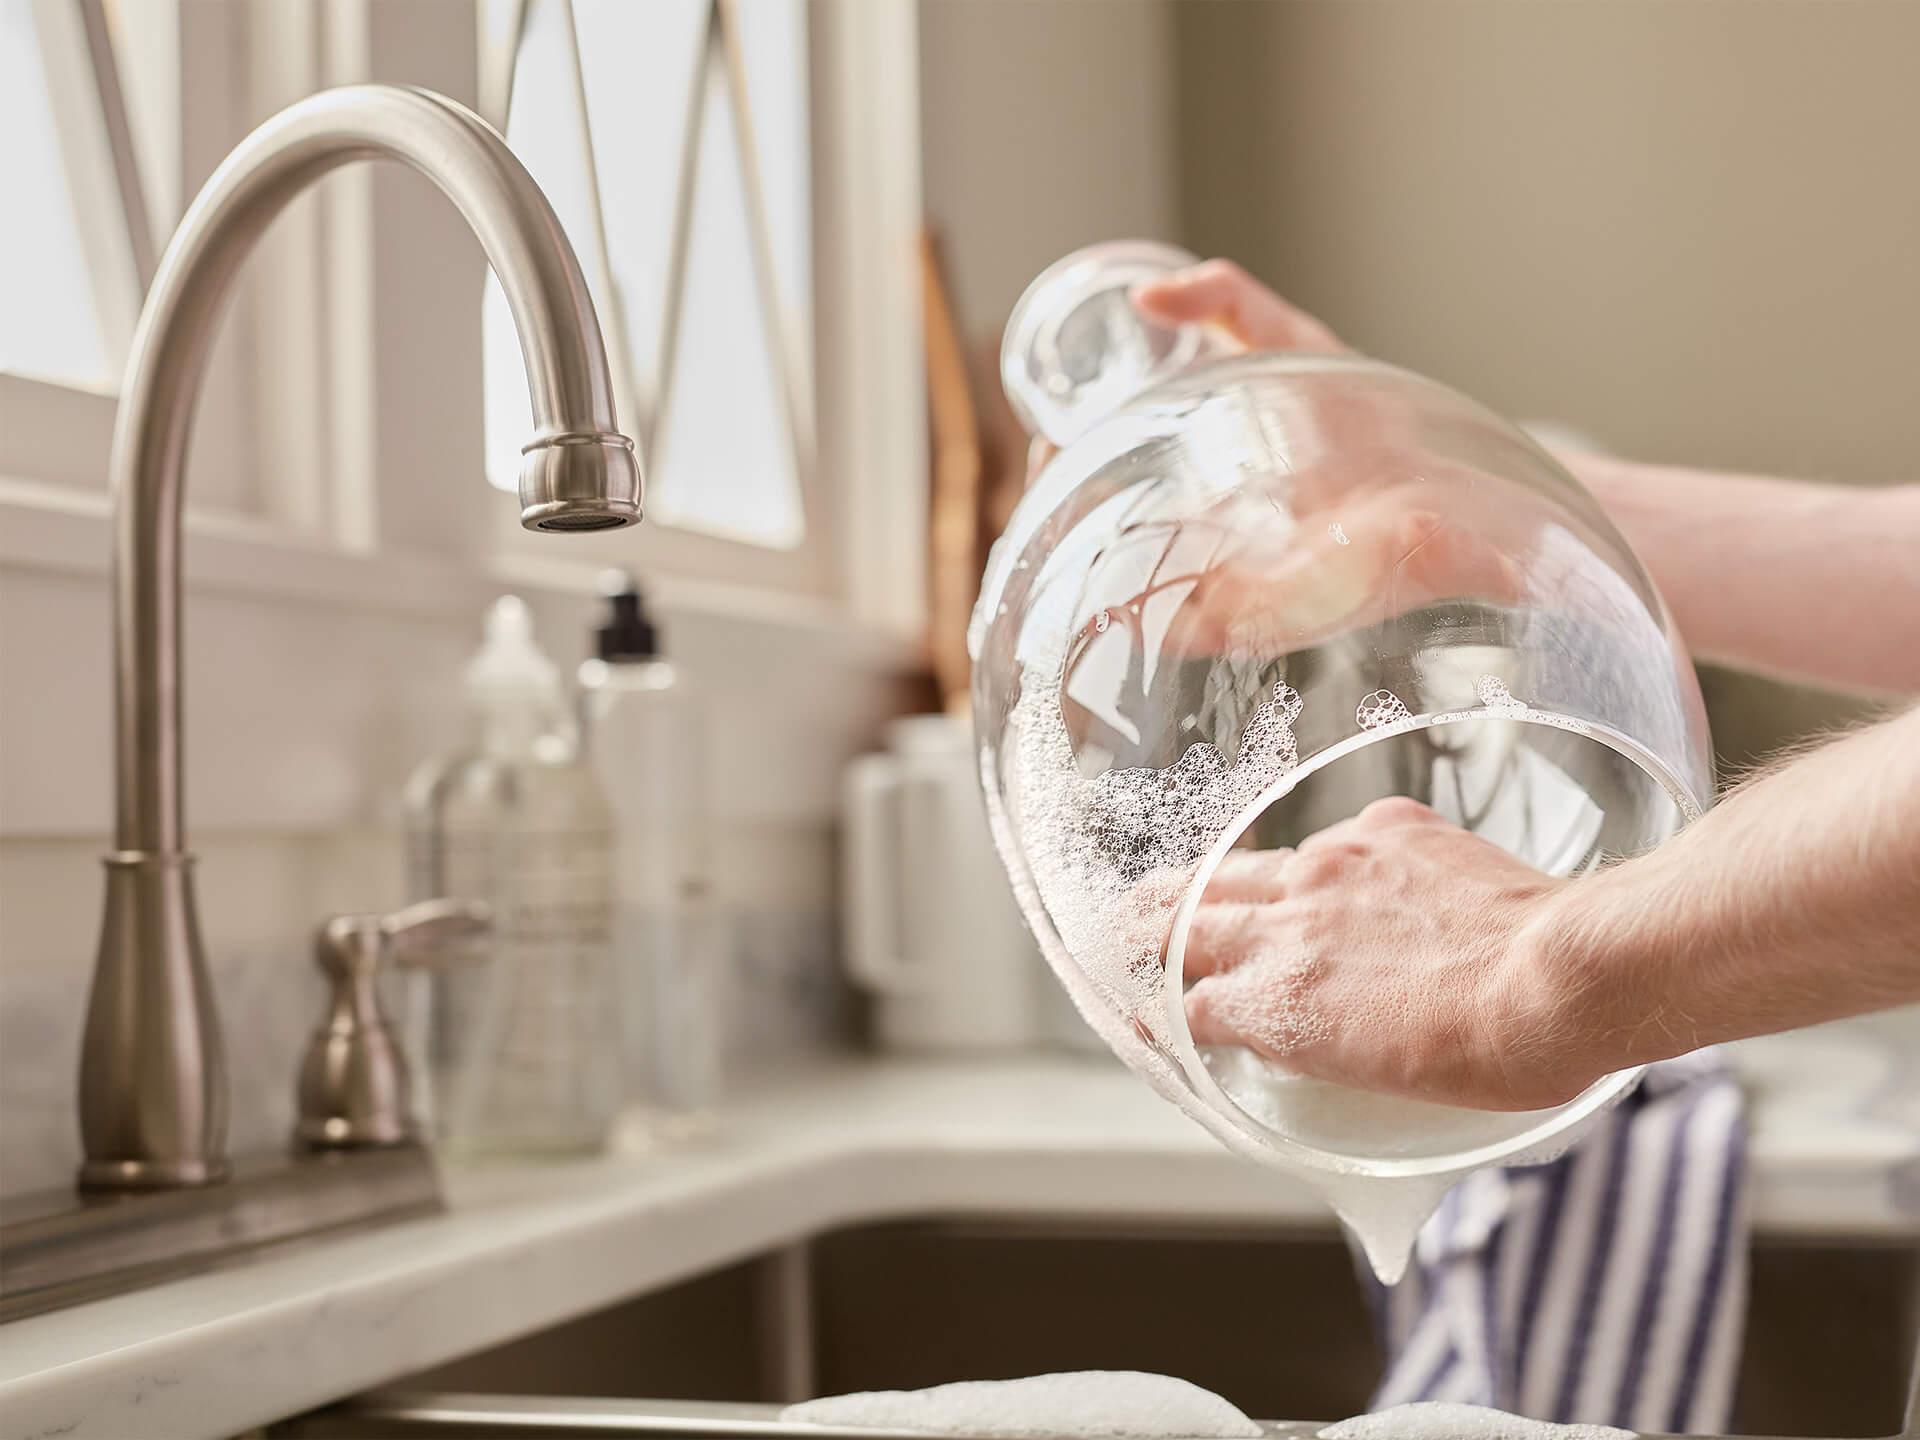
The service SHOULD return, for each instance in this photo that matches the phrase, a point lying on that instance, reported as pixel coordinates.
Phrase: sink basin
(1281, 1330)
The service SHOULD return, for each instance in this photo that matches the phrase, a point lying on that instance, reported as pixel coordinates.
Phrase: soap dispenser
(645, 737)
(522, 1050)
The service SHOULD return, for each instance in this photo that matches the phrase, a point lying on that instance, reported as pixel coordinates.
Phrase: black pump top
(628, 633)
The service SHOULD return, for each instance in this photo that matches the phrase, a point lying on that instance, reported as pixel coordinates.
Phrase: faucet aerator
(579, 482)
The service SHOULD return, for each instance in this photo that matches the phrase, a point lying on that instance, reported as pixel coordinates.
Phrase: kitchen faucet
(153, 1085)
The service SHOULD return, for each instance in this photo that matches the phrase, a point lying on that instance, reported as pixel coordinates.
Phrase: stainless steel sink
(1271, 1319)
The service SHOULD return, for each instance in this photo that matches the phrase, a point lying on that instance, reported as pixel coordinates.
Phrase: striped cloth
(1607, 1287)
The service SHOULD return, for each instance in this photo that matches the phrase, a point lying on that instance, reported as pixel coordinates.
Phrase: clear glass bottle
(644, 733)
(519, 1032)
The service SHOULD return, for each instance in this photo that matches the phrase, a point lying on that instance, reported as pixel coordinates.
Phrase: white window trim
(870, 382)
(50, 528)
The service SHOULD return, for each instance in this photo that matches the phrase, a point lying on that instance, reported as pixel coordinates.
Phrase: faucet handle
(354, 1089)
(422, 934)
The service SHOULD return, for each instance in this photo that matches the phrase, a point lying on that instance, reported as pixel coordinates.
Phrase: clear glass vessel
(1253, 593)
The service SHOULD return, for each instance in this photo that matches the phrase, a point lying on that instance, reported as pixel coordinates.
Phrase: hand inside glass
(1385, 951)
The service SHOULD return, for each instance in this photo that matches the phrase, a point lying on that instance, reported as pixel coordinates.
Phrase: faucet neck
(567, 379)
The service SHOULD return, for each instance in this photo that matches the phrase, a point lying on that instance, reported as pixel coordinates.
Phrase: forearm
(1816, 582)
(1797, 900)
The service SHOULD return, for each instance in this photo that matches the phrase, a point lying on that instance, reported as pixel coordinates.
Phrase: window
(674, 139)
(49, 314)
(72, 252)
(98, 98)
(739, 179)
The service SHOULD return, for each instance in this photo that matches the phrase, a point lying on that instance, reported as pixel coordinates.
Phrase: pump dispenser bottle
(644, 737)
(521, 1051)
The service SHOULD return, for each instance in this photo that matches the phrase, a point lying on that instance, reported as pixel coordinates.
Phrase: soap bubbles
(1495, 695)
(1380, 708)
(1111, 857)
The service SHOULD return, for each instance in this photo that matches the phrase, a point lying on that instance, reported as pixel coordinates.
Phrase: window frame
(59, 431)
(336, 529)
(814, 568)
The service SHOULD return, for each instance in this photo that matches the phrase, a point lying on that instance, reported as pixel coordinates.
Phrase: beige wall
(1690, 229)
(1046, 125)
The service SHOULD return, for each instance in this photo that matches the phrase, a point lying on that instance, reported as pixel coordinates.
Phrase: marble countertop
(1836, 1148)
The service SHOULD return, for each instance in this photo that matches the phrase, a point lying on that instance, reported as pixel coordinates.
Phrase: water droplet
(1102, 621)
(1339, 535)
(1382, 707)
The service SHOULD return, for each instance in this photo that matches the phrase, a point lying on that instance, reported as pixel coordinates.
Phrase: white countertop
(527, 1246)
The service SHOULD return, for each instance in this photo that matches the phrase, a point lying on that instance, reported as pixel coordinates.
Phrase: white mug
(932, 929)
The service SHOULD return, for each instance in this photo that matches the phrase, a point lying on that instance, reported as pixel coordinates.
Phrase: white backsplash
(789, 1001)
(305, 712)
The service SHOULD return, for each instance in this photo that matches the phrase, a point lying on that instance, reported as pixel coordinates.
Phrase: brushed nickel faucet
(153, 1085)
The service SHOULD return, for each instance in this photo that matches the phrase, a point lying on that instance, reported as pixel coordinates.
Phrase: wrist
(1581, 957)
(1611, 479)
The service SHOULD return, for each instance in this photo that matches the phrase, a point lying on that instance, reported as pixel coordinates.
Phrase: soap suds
(1080, 1403)
(1339, 535)
(1382, 707)
(1495, 696)
(1111, 857)
(1263, 1001)
(1441, 1420)
(1101, 865)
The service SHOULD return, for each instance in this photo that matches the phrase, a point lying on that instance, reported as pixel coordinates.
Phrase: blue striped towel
(1607, 1287)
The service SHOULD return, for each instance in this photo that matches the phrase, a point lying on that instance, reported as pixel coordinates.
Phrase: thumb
(1219, 292)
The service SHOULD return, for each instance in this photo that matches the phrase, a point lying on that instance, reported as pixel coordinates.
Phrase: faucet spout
(153, 1095)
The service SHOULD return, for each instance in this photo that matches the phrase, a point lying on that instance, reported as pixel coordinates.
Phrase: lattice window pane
(49, 322)
(724, 457)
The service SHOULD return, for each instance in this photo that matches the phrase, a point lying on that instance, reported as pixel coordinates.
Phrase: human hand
(1380, 527)
(1240, 309)
(1396, 952)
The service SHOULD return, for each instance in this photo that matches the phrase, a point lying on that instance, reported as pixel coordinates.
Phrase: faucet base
(151, 1174)
(153, 1075)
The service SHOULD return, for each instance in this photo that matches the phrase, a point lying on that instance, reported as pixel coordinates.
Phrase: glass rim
(1552, 1124)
